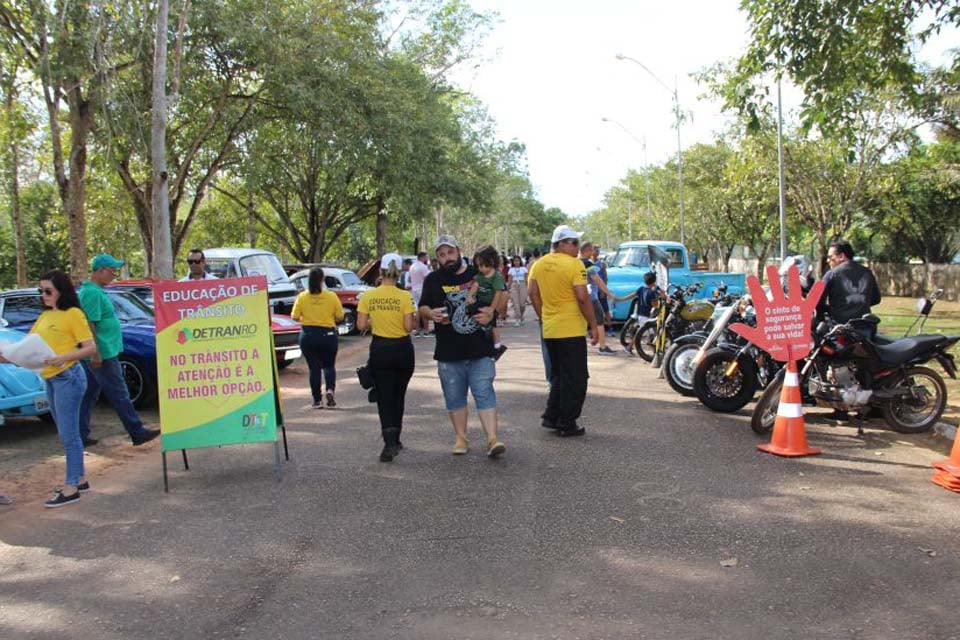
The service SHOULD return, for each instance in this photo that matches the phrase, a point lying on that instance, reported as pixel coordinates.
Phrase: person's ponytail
(392, 271)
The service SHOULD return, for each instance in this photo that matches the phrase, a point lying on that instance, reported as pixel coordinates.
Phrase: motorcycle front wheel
(719, 391)
(678, 366)
(645, 343)
(919, 411)
(765, 411)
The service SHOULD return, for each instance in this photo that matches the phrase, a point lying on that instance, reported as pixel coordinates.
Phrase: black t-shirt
(463, 338)
(850, 289)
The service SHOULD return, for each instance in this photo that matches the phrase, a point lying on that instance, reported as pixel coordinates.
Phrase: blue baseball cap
(105, 261)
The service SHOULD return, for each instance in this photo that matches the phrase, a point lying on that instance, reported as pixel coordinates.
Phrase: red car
(286, 330)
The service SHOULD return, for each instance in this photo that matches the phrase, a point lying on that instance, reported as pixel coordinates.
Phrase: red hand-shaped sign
(783, 322)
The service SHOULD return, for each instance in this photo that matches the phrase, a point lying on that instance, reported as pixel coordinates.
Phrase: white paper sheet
(28, 353)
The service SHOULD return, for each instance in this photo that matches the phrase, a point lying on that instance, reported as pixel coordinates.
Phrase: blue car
(20, 308)
(22, 392)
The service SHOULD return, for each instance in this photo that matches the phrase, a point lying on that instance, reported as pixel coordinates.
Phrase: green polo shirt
(101, 314)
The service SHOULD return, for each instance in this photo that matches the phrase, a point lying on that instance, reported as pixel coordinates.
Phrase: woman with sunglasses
(64, 327)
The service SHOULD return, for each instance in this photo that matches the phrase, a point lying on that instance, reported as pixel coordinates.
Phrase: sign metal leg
(166, 484)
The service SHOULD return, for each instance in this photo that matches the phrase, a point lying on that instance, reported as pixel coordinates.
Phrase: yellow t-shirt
(63, 331)
(386, 305)
(556, 274)
(317, 309)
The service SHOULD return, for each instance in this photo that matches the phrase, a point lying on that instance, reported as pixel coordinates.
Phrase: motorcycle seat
(906, 349)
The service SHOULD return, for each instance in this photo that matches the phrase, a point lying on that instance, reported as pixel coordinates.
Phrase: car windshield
(631, 257)
(350, 279)
(640, 257)
(264, 264)
(130, 309)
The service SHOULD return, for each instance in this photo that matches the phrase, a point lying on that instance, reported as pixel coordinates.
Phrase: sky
(550, 75)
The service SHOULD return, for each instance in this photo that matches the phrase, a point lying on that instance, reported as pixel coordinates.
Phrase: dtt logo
(254, 419)
(182, 336)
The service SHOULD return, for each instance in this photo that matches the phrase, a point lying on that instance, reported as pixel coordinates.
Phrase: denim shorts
(477, 375)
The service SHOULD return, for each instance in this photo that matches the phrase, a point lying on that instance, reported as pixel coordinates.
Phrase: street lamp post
(676, 110)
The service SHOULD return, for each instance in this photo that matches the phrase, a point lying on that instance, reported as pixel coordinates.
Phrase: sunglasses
(191, 261)
(45, 291)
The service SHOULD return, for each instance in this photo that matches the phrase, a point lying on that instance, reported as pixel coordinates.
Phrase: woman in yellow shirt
(64, 327)
(319, 310)
(389, 311)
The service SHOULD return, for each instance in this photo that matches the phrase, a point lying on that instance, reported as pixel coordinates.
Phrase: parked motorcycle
(679, 359)
(675, 317)
(849, 371)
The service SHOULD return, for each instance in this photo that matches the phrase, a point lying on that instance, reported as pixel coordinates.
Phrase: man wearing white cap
(464, 353)
(558, 290)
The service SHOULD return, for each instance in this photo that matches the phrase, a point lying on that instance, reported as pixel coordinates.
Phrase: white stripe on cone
(790, 410)
(791, 379)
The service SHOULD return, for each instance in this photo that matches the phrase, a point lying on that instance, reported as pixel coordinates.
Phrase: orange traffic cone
(948, 474)
(789, 431)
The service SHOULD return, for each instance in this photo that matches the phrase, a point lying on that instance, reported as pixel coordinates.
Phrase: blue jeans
(108, 378)
(477, 375)
(65, 392)
(546, 356)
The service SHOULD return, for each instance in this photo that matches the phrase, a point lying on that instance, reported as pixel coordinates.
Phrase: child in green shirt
(487, 290)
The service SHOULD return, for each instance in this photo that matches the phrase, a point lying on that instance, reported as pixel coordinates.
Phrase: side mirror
(924, 306)
(4, 323)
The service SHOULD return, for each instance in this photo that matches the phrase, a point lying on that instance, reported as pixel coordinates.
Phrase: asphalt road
(624, 533)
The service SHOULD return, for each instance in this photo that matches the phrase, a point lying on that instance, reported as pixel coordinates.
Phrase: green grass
(896, 314)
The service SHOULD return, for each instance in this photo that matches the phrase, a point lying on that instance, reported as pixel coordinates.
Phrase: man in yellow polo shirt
(558, 290)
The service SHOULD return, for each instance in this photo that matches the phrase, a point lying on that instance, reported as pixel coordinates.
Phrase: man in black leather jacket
(851, 289)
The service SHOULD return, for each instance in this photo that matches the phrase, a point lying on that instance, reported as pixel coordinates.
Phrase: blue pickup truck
(626, 267)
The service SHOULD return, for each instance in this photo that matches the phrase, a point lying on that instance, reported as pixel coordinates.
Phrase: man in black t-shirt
(850, 288)
(464, 353)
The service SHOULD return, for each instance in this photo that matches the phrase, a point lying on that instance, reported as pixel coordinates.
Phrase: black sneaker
(499, 351)
(89, 442)
(389, 453)
(549, 424)
(331, 402)
(146, 436)
(571, 432)
(84, 486)
(60, 500)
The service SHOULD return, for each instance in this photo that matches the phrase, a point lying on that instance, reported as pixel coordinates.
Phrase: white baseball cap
(391, 257)
(564, 232)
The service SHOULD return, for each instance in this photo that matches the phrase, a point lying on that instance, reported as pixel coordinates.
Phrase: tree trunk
(381, 227)
(251, 224)
(162, 267)
(15, 215)
(81, 121)
(14, 171)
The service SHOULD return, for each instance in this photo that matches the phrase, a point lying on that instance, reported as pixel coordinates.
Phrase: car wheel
(140, 386)
(349, 325)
